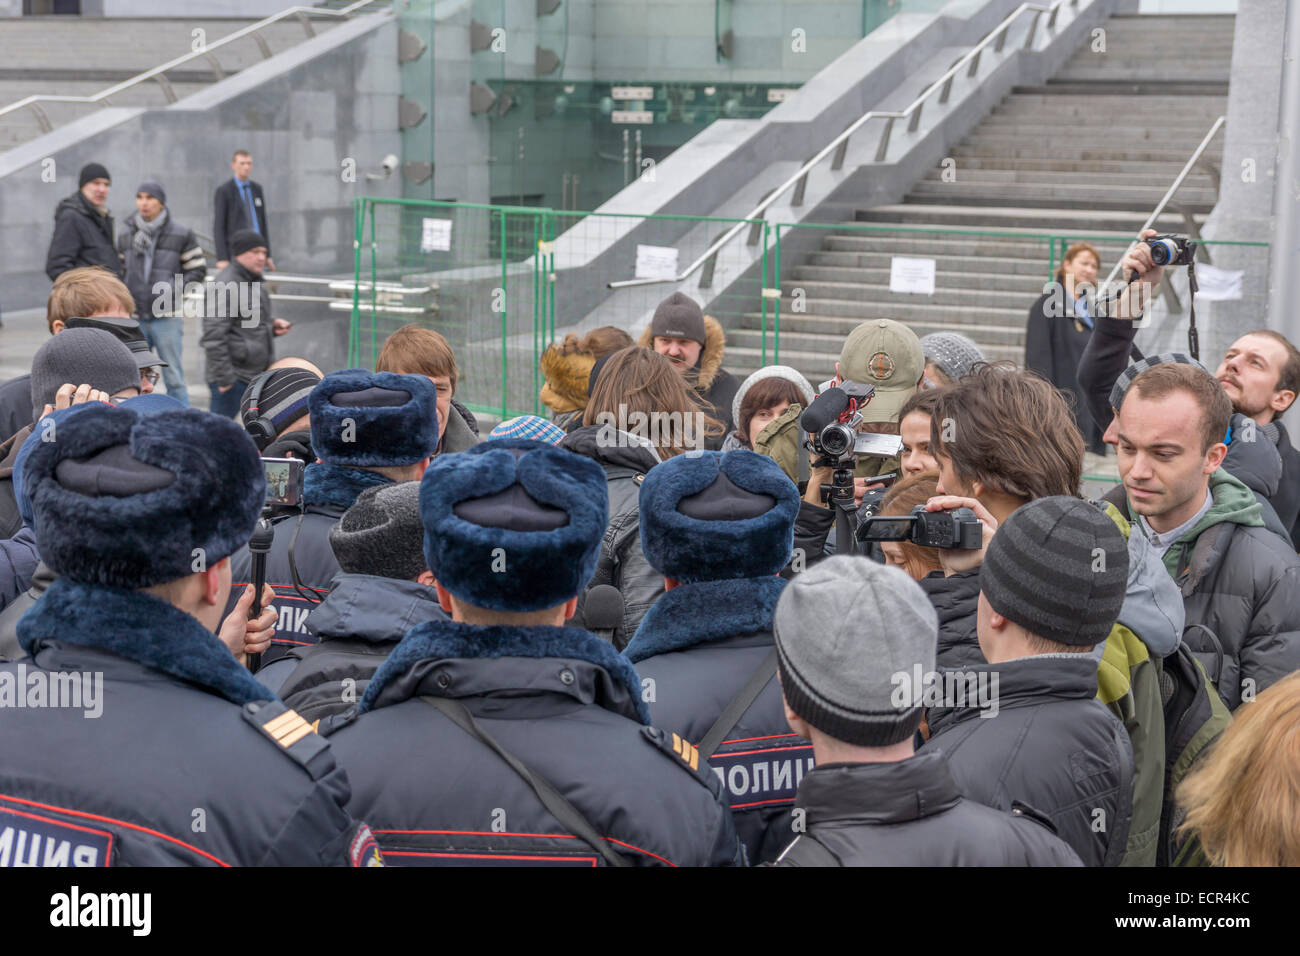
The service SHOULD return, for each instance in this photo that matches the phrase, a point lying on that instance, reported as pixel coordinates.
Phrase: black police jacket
(911, 813)
(568, 706)
(1050, 744)
(328, 490)
(358, 625)
(695, 649)
(142, 742)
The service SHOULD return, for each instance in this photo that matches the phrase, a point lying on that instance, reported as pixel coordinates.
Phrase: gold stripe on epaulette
(288, 728)
(294, 735)
(677, 745)
(695, 758)
(276, 724)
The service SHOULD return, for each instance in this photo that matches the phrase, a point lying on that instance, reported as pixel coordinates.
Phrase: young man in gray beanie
(855, 641)
(384, 588)
(1051, 586)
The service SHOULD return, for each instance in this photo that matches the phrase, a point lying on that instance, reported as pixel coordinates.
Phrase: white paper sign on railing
(656, 262)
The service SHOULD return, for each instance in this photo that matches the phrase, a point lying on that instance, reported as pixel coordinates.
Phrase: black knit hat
(678, 317)
(381, 534)
(1058, 567)
(92, 171)
(244, 240)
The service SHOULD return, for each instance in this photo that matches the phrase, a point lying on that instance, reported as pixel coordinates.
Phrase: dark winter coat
(235, 353)
(41, 579)
(1053, 347)
(357, 626)
(911, 813)
(15, 405)
(18, 560)
(328, 490)
(179, 765)
(82, 237)
(10, 519)
(564, 703)
(712, 383)
(1052, 745)
(698, 646)
(176, 252)
(621, 563)
(955, 600)
(231, 215)
(1241, 584)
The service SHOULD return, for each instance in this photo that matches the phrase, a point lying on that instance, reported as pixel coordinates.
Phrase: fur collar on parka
(567, 377)
(715, 347)
(692, 614)
(337, 487)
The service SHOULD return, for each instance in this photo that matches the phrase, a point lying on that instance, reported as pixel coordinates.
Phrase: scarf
(146, 238)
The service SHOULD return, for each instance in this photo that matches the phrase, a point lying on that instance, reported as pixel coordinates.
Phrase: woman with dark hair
(640, 412)
(763, 398)
(1060, 324)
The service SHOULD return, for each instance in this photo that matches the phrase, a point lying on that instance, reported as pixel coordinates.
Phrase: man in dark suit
(239, 205)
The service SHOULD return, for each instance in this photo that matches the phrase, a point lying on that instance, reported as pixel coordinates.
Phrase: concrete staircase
(1087, 155)
(80, 56)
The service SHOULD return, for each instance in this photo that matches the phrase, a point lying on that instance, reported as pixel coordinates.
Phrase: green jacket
(1232, 502)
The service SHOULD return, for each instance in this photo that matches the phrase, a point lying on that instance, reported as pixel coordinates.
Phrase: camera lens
(1163, 252)
(836, 440)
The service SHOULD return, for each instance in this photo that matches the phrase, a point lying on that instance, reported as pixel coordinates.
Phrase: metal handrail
(840, 144)
(1169, 193)
(208, 52)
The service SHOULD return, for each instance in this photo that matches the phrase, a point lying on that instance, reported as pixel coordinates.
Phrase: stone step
(1015, 176)
(994, 218)
(1112, 127)
(952, 244)
(1108, 102)
(1168, 170)
(1132, 87)
(856, 298)
(814, 277)
(1010, 148)
(1071, 195)
(1003, 266)
(801, 341)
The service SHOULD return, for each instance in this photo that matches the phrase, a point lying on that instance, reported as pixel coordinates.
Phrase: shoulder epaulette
(292, 734)
(683, 753)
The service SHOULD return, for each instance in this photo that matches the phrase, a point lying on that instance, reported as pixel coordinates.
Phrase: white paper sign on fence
(436, 235)
(656, 262)
(908, 274)
(1218, 284)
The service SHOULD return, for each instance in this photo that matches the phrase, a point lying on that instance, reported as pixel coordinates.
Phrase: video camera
(956, 530)
(831, 423)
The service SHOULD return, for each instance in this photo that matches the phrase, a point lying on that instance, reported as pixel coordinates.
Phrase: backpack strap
(568, 816)
(737, 706)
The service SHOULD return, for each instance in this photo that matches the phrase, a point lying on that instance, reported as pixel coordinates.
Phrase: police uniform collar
(337, 487)
(141, 628)
(435, 657)
(675, 622)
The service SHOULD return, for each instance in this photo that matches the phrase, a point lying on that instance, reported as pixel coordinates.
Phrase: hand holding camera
(952, 560)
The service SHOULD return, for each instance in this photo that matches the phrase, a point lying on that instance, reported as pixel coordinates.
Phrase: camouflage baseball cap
(887, 355)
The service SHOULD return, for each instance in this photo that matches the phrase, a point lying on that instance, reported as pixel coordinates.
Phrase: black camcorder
(831, 421)
(1171, 250)
(956, 530)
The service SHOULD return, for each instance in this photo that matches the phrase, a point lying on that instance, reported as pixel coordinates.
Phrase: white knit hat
(769, 371)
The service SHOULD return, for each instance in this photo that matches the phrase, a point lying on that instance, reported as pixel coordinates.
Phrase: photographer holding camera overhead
(881, 366)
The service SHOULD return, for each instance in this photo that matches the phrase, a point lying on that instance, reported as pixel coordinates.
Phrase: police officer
(368, 429)
(501, 736)
(187, 758)
(384, 589)
(719, 528)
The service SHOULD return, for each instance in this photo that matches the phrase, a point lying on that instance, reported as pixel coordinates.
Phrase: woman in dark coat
(1054, 342)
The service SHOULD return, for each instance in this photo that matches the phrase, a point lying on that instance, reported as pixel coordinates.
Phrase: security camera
(389, 165)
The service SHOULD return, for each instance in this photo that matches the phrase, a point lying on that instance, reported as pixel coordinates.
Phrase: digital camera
(956, 530)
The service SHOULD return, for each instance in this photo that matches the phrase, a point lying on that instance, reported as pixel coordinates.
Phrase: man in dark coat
(1052, 583)
(238, 329)
(1056, 335)
(158, 249)
(719, 528)
(83, 227)
(695, 344)
(501, 737)
(239, 204)
(188, 760)
(853, 638)
(367, 428)
(385, 588)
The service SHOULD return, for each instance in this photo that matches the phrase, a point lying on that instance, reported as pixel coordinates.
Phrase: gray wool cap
(845, 629)
(1126, 377)
(772, 371)
(955, 354)
(91, 357)
(381, 534)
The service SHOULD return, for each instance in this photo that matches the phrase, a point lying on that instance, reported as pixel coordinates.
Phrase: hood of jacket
(625, 451)
(879, 793)
(1233, 503)
(141, 628)
(1153, 608)
(367, 608)
(330, 488)
(567, 376)
(1024, 681)
(1256, 463)
(598, 674)
(706, 369)
(692, 614)
(955, 600)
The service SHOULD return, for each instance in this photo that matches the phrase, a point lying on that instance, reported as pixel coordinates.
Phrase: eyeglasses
(151, 375)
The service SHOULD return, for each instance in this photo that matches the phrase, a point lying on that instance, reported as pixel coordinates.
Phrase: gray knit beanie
(1126, 377)
(955, 354)
(770, 371)
(381, 534)
(91, 357)
(848, 630)
(1058, 567)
